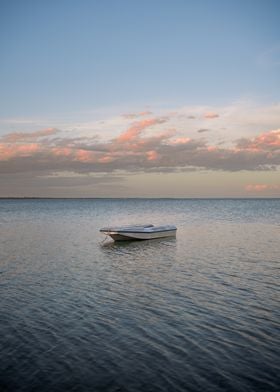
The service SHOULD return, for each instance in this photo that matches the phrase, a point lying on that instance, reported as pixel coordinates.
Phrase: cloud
(137, 128)
(21, 137)
(261, 187)
(152, 155)
(203, 130)
(180, 140)
(268, 141)
(143, 146)
(171, 141)
(136, 115)
(22, 150)
(211, 115)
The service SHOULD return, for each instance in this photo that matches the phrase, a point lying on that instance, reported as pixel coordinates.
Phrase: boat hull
(129, 236)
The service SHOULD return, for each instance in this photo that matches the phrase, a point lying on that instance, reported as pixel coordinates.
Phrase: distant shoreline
(137, 198)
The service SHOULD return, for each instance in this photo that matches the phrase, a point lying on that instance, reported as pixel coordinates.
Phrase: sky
(153, 98)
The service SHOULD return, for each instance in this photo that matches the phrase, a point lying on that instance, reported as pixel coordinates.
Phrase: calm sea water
(196, 313)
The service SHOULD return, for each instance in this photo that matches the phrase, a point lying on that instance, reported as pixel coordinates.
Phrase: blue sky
(80, 66)
(59, 56)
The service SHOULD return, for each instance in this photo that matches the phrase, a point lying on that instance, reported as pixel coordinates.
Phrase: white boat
(139, 232)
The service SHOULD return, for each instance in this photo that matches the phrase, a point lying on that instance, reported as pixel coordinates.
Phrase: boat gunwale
(148, 230)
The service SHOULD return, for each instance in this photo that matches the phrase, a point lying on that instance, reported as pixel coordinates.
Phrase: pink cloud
(264, 142)
(267, 140)
(261, 187)
(8, 151)
(84, 156)
(180, 140)
(62, 151)
(152, 155)
(106, 159)
(137, 128)
(212, 148)
(211, 115)
(21, 137)
(79, 155)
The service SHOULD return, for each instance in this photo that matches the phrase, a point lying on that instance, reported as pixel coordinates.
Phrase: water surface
(195, 313)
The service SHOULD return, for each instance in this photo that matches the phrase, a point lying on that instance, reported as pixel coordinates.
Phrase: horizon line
(137, 197)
